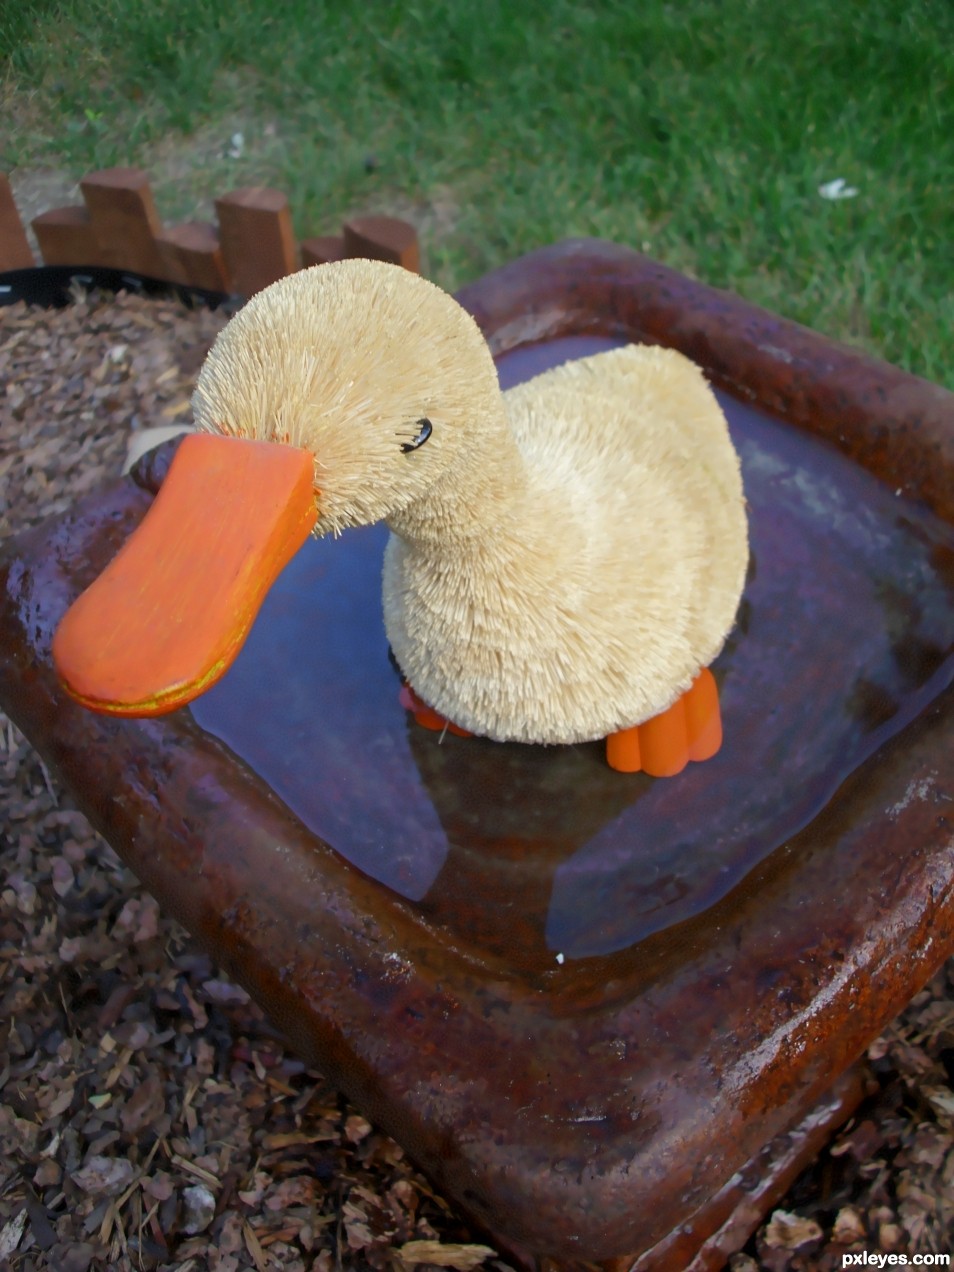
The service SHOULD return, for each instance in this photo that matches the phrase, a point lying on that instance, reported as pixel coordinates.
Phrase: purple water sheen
(845, 634)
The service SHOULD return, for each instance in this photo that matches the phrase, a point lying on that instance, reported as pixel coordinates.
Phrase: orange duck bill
(168, 616)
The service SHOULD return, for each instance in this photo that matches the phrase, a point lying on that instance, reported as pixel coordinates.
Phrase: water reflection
(522, 853)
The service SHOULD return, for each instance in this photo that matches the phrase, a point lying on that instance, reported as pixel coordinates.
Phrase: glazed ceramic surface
(528, 854)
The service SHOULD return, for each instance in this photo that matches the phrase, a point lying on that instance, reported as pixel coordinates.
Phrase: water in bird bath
(526, 854)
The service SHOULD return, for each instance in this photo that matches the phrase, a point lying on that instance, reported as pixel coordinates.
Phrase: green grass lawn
(699, 131)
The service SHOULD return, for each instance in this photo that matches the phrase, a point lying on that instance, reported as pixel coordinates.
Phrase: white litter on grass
(837, 189)
(237, 146)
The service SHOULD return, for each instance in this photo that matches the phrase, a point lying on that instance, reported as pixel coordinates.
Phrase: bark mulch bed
(150, 1118)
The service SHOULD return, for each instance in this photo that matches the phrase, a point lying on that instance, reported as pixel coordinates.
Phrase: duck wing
(640, 448)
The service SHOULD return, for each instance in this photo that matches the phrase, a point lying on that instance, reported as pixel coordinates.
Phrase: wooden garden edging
(253, 244)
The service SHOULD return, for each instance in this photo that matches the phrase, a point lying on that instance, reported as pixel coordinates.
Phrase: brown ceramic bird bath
(606, 1013)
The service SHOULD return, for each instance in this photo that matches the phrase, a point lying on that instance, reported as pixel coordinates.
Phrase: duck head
(341, 395)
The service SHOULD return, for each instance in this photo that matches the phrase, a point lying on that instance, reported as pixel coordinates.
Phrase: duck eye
(425, 429)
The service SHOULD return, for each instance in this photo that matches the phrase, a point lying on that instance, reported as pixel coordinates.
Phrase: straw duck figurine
(565, 559)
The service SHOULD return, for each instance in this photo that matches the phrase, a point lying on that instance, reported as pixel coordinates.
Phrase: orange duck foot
(426, 716)
(691, 729)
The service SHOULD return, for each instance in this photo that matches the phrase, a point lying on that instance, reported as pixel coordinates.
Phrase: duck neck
(466, 506)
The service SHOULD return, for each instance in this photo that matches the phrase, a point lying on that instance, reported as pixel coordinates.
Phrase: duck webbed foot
(691, 729)
(426, 716)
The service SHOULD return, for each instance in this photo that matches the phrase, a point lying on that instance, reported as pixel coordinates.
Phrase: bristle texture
(564, 559)
(609, 579)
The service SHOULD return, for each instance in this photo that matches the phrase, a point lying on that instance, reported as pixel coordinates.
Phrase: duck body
(564, 559)
(586, 594)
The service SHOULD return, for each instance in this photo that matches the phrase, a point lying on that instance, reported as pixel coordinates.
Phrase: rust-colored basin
(582, 1000)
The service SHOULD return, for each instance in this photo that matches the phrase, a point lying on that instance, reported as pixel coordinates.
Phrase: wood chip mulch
(150, 1117)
